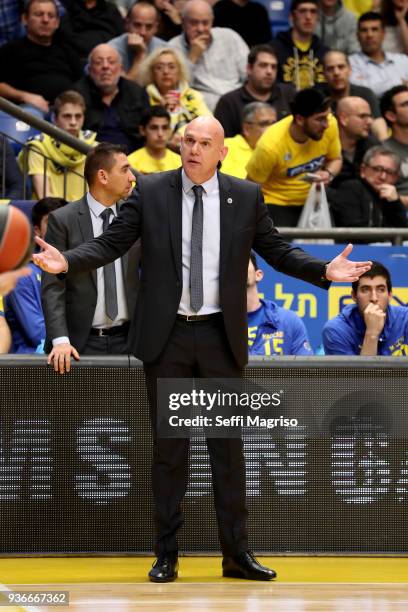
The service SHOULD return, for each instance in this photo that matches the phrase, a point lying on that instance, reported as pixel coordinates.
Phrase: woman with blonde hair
(165, 77)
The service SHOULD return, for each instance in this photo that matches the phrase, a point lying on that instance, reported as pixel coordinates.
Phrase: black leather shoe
(246, 566)
(165, 568)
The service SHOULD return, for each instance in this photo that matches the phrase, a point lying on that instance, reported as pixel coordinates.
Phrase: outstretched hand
(342, 270)
(50, 259)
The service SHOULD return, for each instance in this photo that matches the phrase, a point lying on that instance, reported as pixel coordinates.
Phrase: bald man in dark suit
(198, 227)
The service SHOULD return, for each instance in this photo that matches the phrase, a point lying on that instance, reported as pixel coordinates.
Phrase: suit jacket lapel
(175, 207)
(125, 258)
(228, 208)
(85, 227)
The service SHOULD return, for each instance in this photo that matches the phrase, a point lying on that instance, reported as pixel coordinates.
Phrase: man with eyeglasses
(139, 39)
(371, 200)
(394, 109)
(354, 119)
(257, 117)
(260, 86)
(300, 51)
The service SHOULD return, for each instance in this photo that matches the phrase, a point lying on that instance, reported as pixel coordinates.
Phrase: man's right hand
(35, 100)
(374, 318)
(171, 11)
(198, 46)
(50, 259)
(136, 43)
(60, 357)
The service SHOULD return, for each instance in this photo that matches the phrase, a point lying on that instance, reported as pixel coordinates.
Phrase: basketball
(16, 238)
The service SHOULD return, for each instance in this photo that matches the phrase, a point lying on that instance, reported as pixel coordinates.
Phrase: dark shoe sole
(170, 579)
(237, 574)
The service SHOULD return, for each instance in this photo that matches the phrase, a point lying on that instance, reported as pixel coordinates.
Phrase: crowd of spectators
(325, 100)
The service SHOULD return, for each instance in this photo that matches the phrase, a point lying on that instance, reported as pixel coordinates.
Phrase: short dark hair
(154, 111)
(343, 53)
(257, 49)
(142, 3)
(295, 4)
(377, 269)
(309, 101)
(28, 5)
(68, 97)
(252, 258)
(387, 100)
(44, 207)
(101, 157)
(370, 16)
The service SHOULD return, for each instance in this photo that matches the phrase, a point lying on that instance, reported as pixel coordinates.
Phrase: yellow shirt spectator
(143, 162)
(358, 7)
(279, 163)
(239, 153)
(59, 156)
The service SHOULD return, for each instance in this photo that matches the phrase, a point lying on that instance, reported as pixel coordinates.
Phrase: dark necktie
(196, 259)
(109, 275)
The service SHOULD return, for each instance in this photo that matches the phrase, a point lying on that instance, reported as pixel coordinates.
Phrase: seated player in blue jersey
(23, 308)
(5, 335)
(370, 326)
(272, 330)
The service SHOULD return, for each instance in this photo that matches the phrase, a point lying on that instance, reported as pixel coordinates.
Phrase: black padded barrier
(75, 461)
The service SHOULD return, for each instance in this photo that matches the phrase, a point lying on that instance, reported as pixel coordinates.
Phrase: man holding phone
(301, 148)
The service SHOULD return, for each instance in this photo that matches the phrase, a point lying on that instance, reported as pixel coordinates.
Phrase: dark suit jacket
(356, 204)
(154, 212)
(69, 302)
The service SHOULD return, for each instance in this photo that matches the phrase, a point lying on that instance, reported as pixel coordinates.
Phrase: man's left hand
(343, 270)
(322, 176)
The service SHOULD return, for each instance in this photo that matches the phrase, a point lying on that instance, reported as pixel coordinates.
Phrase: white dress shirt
(211, 245)
(101, 319)
(379, 77)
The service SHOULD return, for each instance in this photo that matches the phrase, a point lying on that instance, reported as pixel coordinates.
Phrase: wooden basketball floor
(304, 584)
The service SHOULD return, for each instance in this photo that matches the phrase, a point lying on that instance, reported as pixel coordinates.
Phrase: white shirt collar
(208, 186)
(388, 58)
(96, 207)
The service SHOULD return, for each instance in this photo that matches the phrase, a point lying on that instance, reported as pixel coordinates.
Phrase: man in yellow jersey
(301, 148)
(155, 156)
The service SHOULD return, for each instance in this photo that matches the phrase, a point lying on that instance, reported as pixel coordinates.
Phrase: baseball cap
(308, 102)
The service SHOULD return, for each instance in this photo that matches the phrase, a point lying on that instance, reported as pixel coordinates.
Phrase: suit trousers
(197, 349)
(106, 345)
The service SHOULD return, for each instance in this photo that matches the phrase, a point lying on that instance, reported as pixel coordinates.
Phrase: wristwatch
(323, 277)
(331, 175)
